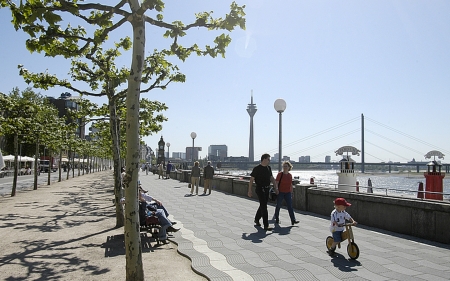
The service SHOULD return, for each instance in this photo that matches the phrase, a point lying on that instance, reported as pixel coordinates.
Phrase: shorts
(337, 236)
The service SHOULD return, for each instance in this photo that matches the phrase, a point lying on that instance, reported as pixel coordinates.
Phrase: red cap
(342, 202)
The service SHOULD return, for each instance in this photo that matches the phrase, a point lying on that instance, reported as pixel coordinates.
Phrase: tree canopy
(53, 29)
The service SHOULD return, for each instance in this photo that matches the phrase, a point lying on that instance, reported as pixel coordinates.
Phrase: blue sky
(331, 61)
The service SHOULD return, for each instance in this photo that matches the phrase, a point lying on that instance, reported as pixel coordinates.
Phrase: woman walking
(284, 181)
(195, 178)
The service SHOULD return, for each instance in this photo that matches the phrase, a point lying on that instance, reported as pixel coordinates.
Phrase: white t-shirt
(146, 197)
(339, 218)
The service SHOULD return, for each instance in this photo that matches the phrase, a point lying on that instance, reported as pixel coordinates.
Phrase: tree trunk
(16, 148)
(114, 129)
(50, 165)
(134, 266)
(36, 166)
(83, 167)
(59, 165)
(69, 154)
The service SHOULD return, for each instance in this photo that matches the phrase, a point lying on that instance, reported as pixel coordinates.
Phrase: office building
(217, 152)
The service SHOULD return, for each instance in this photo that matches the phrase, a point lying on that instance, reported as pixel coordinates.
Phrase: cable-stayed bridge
(377, 141)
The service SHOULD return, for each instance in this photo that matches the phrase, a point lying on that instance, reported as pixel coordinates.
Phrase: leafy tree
(26, 115)
(42, 21)
(102, 74)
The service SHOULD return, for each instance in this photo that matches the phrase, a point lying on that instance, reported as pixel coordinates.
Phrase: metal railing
(383, 190)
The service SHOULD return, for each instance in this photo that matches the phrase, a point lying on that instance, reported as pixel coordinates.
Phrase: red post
(420, 193)
(311, 181)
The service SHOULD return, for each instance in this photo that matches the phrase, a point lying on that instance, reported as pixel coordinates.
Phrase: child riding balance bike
(338, 224)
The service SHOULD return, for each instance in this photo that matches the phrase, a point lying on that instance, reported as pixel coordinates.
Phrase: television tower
(251, 109)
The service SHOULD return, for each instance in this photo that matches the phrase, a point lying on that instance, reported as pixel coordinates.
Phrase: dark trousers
(263, 197)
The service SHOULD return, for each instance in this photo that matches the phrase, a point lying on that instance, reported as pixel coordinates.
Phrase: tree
(26, 115)
(74, 41)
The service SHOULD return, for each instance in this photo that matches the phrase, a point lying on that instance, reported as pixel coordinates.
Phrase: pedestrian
(369, 184)
(338, 218)
(195, 178)
(285, 192)
(208, 175)
(160, 170)
(168, 169)
(262, 175)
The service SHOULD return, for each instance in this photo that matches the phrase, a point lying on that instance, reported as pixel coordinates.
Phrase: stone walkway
(66, 231)
(218, 235)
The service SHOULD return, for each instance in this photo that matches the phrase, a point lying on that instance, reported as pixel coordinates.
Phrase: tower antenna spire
(251, 109)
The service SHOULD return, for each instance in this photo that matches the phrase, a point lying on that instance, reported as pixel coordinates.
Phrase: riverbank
(65, 231)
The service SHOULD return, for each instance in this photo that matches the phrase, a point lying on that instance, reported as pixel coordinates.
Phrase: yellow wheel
(329, 241)
(353, 251)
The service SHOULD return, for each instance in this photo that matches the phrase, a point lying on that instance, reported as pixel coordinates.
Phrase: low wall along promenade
(427, 219)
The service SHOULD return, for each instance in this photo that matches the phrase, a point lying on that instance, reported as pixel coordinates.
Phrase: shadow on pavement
(115, 244)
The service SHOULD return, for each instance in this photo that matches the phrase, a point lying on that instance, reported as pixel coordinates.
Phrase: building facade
(65, 103)
(192, 154)
(304, 159)
(217, 152)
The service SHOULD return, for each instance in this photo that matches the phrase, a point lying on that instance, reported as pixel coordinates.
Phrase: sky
(331, 61)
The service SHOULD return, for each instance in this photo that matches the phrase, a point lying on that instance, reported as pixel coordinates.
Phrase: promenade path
(66, 231)
(218, 235)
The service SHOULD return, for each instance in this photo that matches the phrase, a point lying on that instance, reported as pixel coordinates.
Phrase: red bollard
(311, 181)
(420, 193)
(357, 186)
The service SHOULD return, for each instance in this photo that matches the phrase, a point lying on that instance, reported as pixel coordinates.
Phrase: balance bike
(352, 248)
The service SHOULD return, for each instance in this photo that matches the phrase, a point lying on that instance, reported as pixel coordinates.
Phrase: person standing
(285, 189)
(160, 170)
(195, 178)
(262, 176)
(369, 184)
(168, 169)
(208, 175)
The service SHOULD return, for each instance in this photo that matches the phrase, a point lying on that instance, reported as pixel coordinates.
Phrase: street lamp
(168, 150)
(193, 136)
(280, 106)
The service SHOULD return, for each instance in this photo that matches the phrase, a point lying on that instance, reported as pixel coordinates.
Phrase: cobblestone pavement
(218, 235)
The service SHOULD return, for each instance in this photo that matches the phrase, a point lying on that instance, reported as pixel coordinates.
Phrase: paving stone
(219, 236)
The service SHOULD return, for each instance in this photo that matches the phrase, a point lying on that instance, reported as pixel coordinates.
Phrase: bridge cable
(316, 134)
(405, 134)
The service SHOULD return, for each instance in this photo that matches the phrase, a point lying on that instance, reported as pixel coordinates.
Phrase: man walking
(168, 169)
(262, 175)
(208, 174)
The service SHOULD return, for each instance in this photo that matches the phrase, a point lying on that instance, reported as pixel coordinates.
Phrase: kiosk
(346, 173)
(434, 178)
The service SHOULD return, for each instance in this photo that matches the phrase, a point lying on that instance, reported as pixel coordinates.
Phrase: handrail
(386, 189)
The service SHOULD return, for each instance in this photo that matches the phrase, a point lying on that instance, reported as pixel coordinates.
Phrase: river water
(395, 184)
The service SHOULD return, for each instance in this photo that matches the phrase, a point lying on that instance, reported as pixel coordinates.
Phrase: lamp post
(168, 151)
(193, 136)
(280, 106)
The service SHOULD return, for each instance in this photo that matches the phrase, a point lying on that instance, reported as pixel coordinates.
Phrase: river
(398, 184)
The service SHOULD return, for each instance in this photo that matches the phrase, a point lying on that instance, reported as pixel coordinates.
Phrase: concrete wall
(421, 218)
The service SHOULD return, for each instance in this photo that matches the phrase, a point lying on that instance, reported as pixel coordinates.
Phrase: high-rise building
(251, 109)
(217, 152)
(65, 103)
(304, 159)
(189, 153)
(179, 155)
(327, 159)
